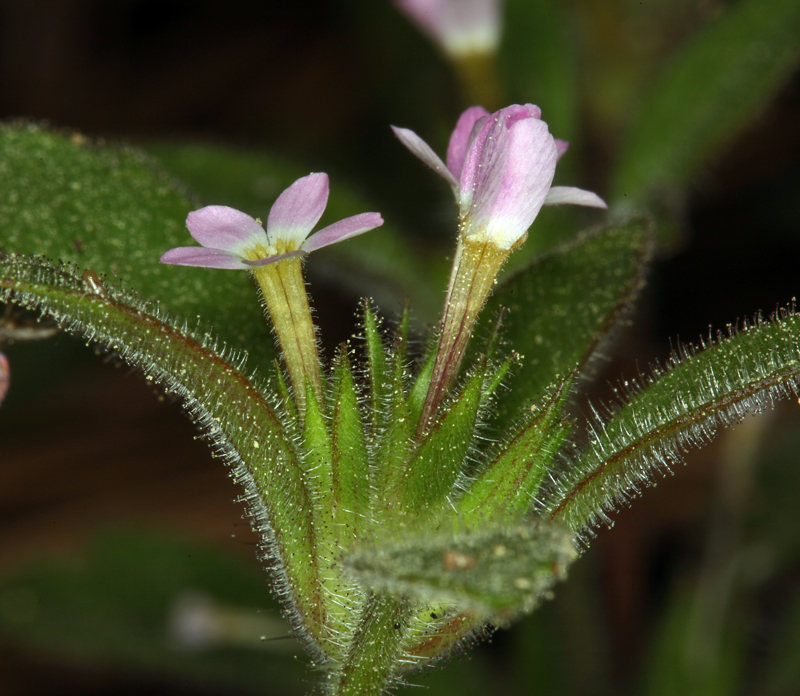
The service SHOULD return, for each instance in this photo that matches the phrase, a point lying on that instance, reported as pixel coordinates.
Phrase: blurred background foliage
(124, 567)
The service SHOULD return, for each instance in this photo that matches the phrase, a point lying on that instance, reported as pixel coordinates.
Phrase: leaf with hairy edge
(232, 411)
(564, 305)
(709, 92)
(508, 485)
(377, 367)
(679, 407)
(110, 210)
(493, 570)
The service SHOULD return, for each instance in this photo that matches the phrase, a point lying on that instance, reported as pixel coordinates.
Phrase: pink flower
(500, 167)
(232, 239)
(460, 27)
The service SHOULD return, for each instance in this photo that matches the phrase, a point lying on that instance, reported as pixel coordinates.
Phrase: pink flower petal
(298, 209)
(560, 195)
(562, 146)
(482, 174)
(228, 229)
(205, 258)
(518, 112)
(344, 229)
(462, 137)
(510, 205)
(423, 151)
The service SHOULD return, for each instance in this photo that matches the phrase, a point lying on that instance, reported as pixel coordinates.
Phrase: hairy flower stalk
(500, 167)
(234, 240)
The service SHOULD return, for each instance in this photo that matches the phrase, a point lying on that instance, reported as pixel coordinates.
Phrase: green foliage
(679, 407)
(234, 413)
(539, 64)
(350, 459)
(556, 323)
(430, 474)
(507, 485)
(712, 89)
(112, 211)
(680, 664)
(497, 571)
(391, 546)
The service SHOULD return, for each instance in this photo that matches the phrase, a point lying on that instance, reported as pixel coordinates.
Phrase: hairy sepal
(679, 407)
(430, 474)
(350, 457)
(231, 409)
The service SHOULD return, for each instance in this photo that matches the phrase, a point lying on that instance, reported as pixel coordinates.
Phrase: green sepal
(376, 365)
(419, 390)
(679, 407)
(401, 333)
(496, 570)
(232, 410)
(555, 323)
(430, 474)
(508, 485)
(395, 442)
(350, 458)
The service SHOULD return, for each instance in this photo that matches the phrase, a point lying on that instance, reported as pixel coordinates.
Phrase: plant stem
(373, 660)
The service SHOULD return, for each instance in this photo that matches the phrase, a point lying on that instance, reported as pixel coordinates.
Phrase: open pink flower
(232, 239)
(500, 167)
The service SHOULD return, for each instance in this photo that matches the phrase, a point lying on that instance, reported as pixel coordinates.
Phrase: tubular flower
(230, 238)
(460, 27)
(500, 167)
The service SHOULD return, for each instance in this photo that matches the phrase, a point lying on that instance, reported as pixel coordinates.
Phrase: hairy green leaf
(679, 407)
(709, 92)
(495, 570)
(564, 305)
(234, 413)
(511, 480)
(110, 210)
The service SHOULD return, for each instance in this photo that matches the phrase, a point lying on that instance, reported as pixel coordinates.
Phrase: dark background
(85, 445)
